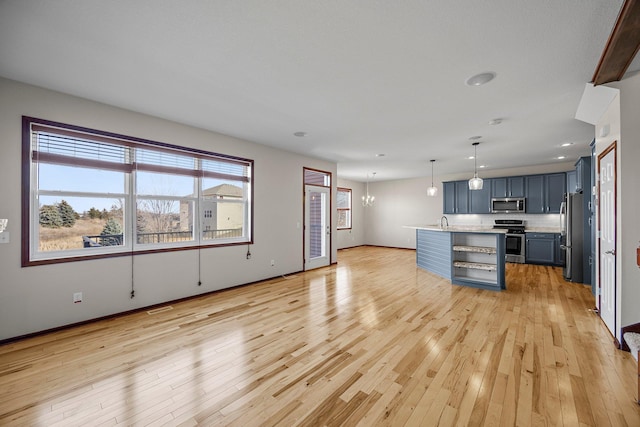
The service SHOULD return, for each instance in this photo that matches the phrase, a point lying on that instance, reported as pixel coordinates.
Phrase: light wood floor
(372, 341)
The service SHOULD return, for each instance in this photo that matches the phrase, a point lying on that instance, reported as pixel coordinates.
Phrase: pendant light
(475, 183)
(432, 191)
(368, 200)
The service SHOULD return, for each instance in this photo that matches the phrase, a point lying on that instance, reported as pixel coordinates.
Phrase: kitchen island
(468, 256)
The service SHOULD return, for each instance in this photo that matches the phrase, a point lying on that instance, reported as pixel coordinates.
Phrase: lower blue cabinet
(543, 248)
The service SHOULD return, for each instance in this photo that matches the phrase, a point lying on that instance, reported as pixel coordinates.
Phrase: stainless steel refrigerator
(572, 219)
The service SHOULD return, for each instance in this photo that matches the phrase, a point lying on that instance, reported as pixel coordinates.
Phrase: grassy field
(63, 238)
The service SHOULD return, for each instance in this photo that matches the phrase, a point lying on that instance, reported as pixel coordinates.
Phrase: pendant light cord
(432, 172)
(475, 159)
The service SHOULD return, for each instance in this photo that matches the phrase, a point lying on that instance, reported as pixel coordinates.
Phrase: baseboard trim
(135, 310)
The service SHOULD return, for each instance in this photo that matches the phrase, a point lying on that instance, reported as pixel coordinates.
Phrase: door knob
(611, 252)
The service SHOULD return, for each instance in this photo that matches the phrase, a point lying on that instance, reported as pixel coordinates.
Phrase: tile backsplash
(531, 220)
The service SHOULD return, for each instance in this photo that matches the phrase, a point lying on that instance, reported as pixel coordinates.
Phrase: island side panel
(433, 252)
(501, 248)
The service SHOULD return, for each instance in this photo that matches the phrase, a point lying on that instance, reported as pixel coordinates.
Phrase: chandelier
(367, 199)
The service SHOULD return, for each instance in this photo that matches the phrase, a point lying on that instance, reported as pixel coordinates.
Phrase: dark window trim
(350, 208)
(320, 171)
(98, 135)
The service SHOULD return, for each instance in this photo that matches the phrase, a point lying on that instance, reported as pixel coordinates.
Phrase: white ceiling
(362, 77)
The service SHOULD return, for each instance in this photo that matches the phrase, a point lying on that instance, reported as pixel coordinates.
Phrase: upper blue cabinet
(583, 175)
(572, 185)
(480, 200)
(512, 186)
(555, 186)
(456, 197)
(545, 193)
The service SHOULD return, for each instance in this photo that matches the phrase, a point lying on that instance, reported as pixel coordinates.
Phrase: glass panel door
(317, 226)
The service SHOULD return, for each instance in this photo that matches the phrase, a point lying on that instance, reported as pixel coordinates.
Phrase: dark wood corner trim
(622, 45)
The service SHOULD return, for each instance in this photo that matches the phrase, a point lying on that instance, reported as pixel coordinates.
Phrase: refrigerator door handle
(563, 218)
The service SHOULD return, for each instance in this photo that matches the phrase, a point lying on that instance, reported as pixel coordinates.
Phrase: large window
(93, 194)
(344, 208)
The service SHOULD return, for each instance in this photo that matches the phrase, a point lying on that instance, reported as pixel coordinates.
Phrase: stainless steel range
(514, 238)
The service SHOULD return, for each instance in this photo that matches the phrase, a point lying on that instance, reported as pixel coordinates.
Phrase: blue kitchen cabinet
(543, 248)
(449, 197)
(540, 248)
(462, 197)
(545, 193)
(456, 197)
(571, 182)
(558, 252)
(515, 186)
(480, 200)
(535, 194)
(583, 175)
(555, 188)
(583, 179)
(512, 186)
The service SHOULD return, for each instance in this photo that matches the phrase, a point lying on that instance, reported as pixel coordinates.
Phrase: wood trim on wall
(622, 46)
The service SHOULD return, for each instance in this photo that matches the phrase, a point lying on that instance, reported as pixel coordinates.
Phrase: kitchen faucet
(446, 222)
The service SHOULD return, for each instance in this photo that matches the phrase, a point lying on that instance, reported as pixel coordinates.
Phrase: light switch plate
(5, 237)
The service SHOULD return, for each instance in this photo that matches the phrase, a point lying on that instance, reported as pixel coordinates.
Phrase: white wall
(355, 236)
(400, 203)
(38, 298)
(627, 132)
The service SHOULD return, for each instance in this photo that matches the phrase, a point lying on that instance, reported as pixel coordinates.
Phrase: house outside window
(344, 208)
(91, 194)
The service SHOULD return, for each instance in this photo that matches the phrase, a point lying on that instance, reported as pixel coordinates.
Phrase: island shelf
(474, 258)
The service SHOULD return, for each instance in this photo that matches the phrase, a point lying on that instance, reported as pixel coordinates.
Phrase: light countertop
(479, 228)
(543, 230)
(458, 228)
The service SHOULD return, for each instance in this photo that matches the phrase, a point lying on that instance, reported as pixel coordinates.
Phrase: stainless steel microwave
(508, 205)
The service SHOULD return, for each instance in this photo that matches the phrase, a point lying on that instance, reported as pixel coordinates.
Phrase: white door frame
(322, 230)
(607, 240)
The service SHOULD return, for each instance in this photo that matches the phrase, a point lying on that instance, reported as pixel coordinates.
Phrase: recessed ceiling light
(495, 122)
(300, 134)
(380, 155)
(566, 144)
(560, 157)
(470, 157)
(480, 79)
(482, 166)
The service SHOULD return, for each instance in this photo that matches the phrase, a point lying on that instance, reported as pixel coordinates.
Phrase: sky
(85, 180)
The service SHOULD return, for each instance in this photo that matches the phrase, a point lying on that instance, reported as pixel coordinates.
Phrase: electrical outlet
(273, 262)
(77, 297)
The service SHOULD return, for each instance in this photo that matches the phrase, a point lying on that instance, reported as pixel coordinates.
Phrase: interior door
(317, 227)
(607, 226)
